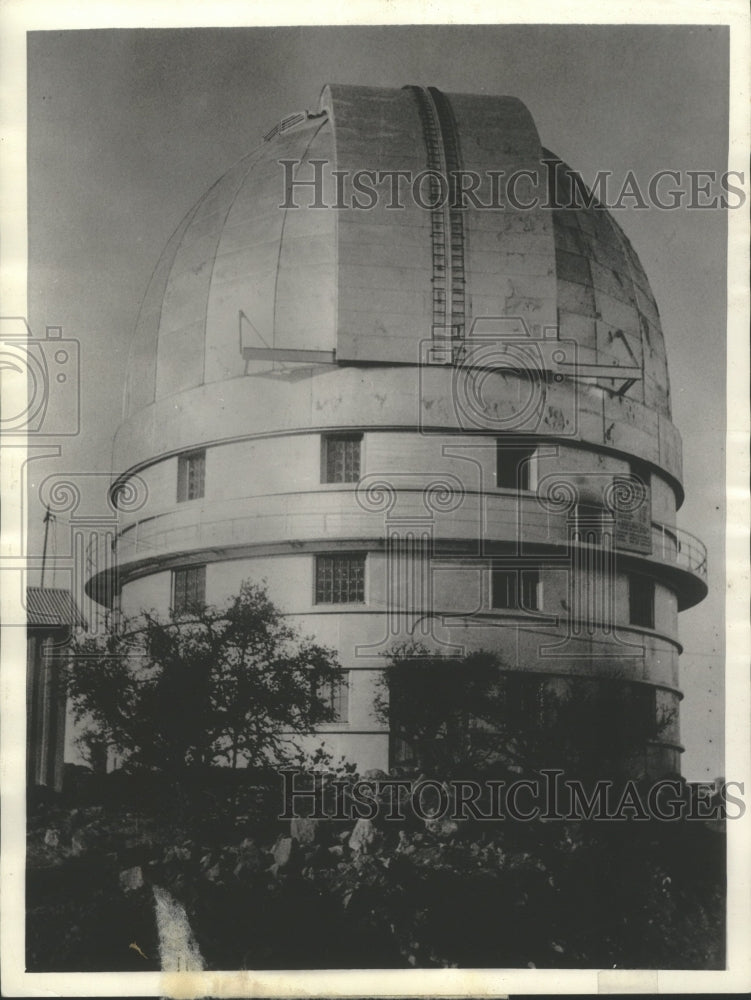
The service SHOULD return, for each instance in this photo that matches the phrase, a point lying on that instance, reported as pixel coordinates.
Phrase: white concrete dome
(359, 282)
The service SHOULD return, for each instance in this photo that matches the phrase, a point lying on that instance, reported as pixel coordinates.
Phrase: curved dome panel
(237, 254)
(372, 285)
(604, 299)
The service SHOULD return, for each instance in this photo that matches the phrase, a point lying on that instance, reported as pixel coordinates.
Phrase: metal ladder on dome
(447, 237)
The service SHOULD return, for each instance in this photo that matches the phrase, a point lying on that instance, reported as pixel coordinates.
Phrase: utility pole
(48, 516)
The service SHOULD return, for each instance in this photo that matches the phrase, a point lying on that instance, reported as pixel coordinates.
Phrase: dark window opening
(515, 589)
(641, 601)
(641, 473)
(340, 579)
(341, 458)
(191, 474)
(513, 466)
(189, 589)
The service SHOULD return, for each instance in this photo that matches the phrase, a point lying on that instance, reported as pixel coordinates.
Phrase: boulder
(405, 845)
(52, 838)
(213, 874)
(282, 851)
(285, 853)
(177, 853)
(363, 836)
(131, 879)
(79, 844)
(305, 830)
(249, 858)
(441, 829)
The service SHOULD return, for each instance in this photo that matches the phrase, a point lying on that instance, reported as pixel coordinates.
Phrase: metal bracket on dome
(626, 386)
(507, 342)
(630, 374)
(640, 368)
(287, 354)
(253, 346)
(292, 121)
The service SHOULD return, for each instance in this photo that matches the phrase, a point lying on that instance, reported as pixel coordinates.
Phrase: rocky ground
(335, 894)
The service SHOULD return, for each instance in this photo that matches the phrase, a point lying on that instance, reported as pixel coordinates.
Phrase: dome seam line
(231, 205)
(312, 138)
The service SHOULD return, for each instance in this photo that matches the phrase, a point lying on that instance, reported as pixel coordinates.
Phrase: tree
(232, 685)
(444, 710)
(454, 716)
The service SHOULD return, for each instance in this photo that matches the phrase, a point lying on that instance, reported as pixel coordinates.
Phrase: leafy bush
(235, 686)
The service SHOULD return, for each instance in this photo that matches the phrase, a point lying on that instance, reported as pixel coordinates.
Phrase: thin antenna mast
(48, 516)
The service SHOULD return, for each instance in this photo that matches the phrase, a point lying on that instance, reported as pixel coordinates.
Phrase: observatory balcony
(681, 547)
(481, 525)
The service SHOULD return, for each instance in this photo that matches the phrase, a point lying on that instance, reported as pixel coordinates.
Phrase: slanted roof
(52, 607)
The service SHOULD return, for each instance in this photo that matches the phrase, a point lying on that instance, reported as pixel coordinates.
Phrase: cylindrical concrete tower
(399, 365)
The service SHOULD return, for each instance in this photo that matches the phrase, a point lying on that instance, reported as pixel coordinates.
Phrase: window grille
(340, 579)
(334, 692)
(188, 588)
(191, 473)
(341, 458)
(515, 590)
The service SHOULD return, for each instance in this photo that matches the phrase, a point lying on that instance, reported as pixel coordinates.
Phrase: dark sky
(128, 128)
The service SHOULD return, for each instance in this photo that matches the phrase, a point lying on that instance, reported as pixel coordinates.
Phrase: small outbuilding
(51, 617)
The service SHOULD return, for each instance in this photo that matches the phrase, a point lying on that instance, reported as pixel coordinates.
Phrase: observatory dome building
(423, 414)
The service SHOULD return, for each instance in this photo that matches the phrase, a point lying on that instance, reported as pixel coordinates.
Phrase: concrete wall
(434, 400)
(460, 588)
(290, 464)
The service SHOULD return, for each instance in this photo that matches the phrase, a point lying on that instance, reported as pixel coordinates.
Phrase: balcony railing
(680, 547)
(184, 530)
